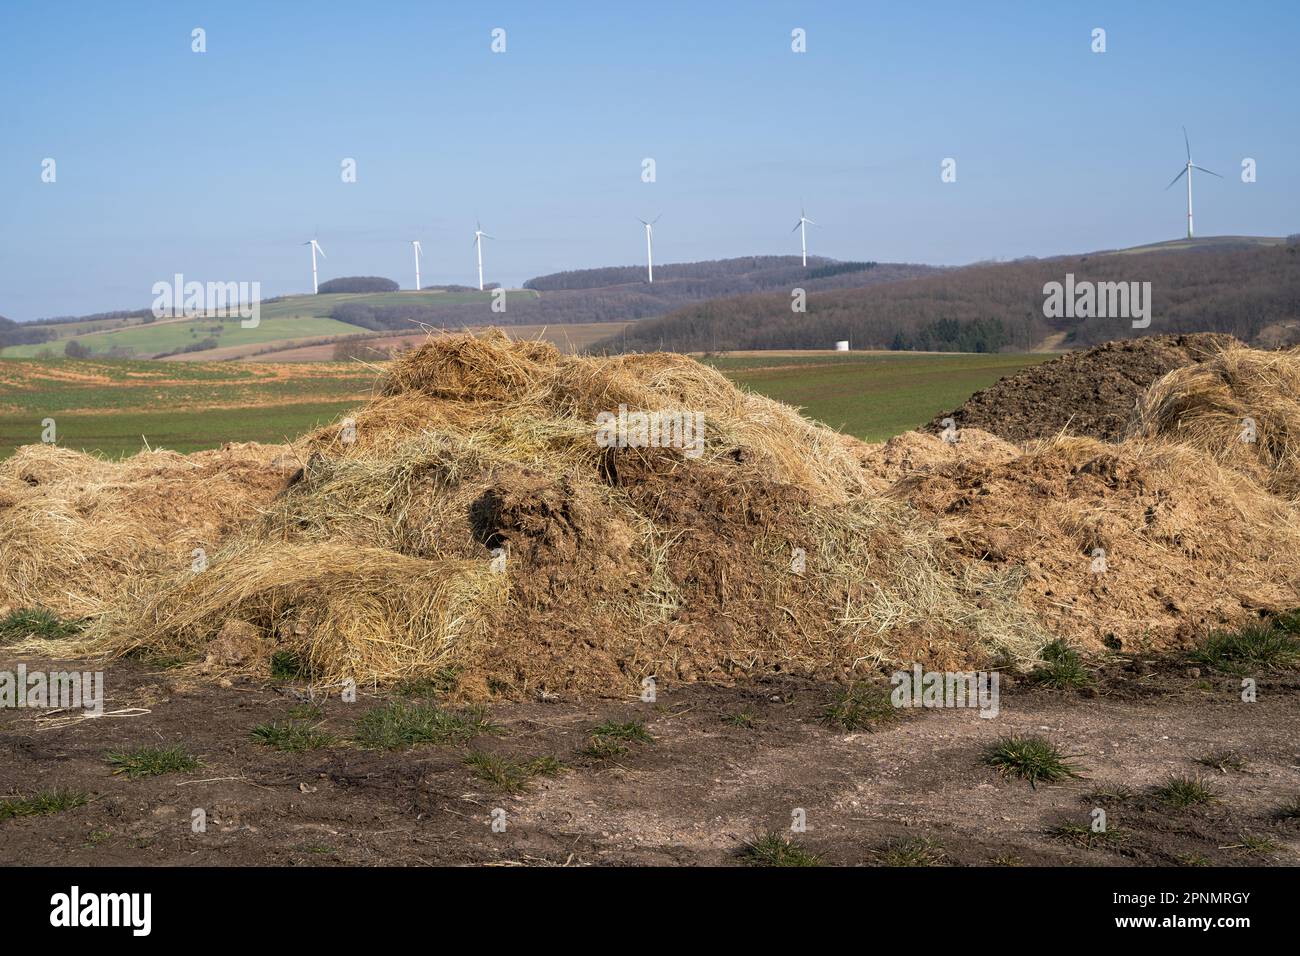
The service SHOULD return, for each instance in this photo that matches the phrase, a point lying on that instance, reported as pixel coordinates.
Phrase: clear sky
(219, 165)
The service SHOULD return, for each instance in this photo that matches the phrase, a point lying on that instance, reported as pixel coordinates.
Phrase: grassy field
(872, 395)
(114, 407)
(293, 317)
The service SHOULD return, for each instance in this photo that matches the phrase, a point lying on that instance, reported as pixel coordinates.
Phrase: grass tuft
(743, 718)
(773, 849)
(632, 730)
(288, 666)
(42, 804)
(1031, 758)
(292, 736)
(1223, 761)
(152, 761)
(509, 776)
(1063, 667)
(401, 724)
(860, 709)
(1181, 791)
(920, 851)
(35, 622)
(1257, 646)
(1083, 835)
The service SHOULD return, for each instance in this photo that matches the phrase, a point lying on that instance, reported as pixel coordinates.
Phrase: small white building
(842, 346)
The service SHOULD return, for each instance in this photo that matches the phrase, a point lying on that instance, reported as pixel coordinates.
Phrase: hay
(74, 528)
(1242, 408)
(1189, 544)
(382, 559)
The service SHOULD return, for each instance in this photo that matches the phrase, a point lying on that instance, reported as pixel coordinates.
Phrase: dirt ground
(705, 785)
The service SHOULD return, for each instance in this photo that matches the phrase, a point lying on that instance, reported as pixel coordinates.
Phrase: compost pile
(1090, 393)
(467, 522)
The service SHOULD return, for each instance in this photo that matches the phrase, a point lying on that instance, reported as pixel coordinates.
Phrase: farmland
(290, 319)
(113, 407)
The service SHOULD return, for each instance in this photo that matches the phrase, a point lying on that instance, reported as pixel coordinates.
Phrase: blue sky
(219, 165)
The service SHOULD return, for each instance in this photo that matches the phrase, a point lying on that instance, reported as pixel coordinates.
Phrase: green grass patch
(1255, 647)
(744, 718)
(510, 776)
(289, 666)
(1082, 835)
(401, 724)
(1110, 793)
(1062, 668)
(152, 761)
(860, 709)
(1030, 758)
(1181, 791)
(1224, 761)
(1254, 843)
(42, 804)
(35, 622)
(632, 730)
(603, 748)
(774, 849)
(292, 736)
(920, 851)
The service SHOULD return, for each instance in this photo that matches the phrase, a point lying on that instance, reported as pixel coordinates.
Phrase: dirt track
(693, 796)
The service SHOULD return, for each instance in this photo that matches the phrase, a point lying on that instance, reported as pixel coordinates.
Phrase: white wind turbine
(415, 244)
(1187, 171)
(315, 248)
(479, 236)
(650, 246)
(802, 226)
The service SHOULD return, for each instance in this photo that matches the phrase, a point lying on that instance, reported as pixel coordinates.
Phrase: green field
(873, 396)
(114, 407)
(287, 319)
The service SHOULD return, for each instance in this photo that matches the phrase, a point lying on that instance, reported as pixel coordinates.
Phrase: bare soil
(695, 795)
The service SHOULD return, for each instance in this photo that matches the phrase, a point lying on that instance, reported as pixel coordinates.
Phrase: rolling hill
(1246, 287)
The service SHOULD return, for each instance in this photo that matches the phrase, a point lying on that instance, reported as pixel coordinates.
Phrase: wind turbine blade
(321, 251)
(810, 222)
(1204, 170)
(643, 222)
(1181, 174)
(1188, 144)
(656, 219)
(797, 225)
(486, 236)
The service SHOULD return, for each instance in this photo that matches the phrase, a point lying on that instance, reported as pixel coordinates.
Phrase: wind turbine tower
(802, 225)
(415, 244)
(650, 246)
(479, 236)
(1187, 171)
(315, 248)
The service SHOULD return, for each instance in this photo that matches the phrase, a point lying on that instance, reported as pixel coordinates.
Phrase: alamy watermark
(919, 688)
(65, 690)
(1098, 300)
(179, 299)
(662, 429)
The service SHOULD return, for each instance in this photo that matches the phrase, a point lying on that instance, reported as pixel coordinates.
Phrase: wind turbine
(1187, 171)
(650, 246)
(415, 244)
(802, 225)
(315, 248)
(479, 236)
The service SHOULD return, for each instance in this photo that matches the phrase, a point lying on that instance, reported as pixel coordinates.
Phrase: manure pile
(467, 521)
(1089, 394)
